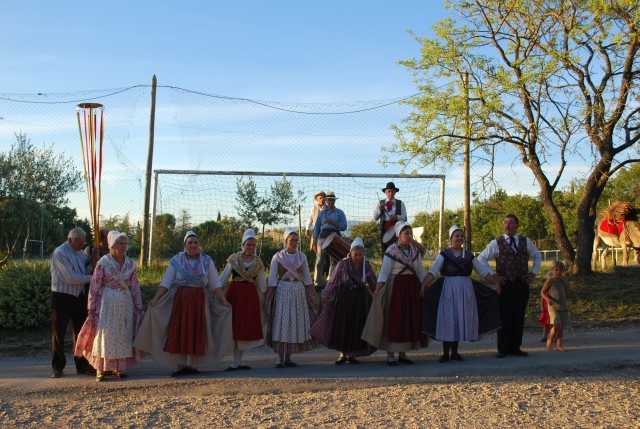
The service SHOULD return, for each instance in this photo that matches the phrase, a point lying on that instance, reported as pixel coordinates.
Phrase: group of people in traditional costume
(198, 317)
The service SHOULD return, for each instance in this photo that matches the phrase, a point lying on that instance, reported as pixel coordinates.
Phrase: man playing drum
(330, 219)
(388, 212)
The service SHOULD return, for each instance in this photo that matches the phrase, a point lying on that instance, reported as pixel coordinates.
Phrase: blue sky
(277, 50)
(284, 51)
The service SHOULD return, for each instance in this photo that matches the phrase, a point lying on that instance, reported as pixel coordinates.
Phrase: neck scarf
(397, 253)
(120, 275)
(291, 264)
(248, 274)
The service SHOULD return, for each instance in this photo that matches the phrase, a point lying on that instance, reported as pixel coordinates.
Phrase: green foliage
(25, 295)
(370, 234)
(530, 97)
(624, 186)
(34, 184)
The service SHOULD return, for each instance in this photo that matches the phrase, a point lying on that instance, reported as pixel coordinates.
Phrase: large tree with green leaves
(34, 183)
(550, 81)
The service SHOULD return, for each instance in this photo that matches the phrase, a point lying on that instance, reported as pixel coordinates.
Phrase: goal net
(206, 198)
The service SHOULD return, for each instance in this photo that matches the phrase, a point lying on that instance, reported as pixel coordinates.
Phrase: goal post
(200, 196)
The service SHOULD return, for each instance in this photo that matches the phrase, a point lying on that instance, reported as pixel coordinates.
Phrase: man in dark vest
(388, 212)
(512, 253)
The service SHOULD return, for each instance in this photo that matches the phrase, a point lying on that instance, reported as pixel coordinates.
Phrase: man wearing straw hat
(69, 274)
(330, 219)
(388, 212)
(320, 199)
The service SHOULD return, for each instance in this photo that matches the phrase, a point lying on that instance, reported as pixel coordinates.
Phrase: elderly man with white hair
(69, 274)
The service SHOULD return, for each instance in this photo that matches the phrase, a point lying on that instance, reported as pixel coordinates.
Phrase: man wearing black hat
(388, 212)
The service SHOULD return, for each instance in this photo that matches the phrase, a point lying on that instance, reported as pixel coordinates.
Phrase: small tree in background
(276, 206)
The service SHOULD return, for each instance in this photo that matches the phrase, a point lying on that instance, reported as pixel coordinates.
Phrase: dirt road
(595, 384)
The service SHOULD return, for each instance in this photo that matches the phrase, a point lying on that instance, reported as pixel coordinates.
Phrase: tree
(370, 234)
(624, 186)
(32, 181)
(164, 237)
(549, 79)
(276, 206)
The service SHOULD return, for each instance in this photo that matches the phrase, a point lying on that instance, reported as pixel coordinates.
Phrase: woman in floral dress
(115, 313)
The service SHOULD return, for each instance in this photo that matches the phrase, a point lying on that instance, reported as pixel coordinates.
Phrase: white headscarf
(399, 226)
(288, 231)
(113, 236)
(249, 233)
(357, 243)
(453, 229)
(187, 235)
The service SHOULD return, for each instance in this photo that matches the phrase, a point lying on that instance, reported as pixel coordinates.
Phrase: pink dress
(106, 338)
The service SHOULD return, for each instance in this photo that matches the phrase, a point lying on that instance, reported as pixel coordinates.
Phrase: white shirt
(69, 273)
(377, 213)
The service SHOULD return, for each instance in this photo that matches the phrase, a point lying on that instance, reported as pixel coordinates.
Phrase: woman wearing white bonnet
(455, 307)
(189, 318)
(245, 293)
(292, 302)
(393, 323)
(346, 301)
(115, 312)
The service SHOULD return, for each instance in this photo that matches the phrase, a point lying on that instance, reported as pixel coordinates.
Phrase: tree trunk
(559, 232)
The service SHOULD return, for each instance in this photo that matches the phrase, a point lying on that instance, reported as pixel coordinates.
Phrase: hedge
(25, 295)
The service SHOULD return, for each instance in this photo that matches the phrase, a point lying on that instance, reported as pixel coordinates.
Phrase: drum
(336, 246)
(389, 236)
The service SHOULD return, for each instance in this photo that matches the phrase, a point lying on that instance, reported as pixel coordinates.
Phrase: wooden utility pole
(467, 187)
(144, 239)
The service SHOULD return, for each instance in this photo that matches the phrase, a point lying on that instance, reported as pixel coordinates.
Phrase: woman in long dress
(189, 319)
(245, 293)
(292, 302)
(455, 307)
(115, 312)
(393, 323)
(346, 301)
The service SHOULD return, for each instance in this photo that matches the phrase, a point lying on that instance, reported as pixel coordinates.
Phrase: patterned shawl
(397, 254)
(238, 264)
(120, 276)
(292, 268)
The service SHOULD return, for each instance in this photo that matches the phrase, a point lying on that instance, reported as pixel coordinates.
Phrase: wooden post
(144, 239)
(466, 169)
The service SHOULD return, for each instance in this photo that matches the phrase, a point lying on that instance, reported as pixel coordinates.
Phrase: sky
(276, 50)
(284, 51)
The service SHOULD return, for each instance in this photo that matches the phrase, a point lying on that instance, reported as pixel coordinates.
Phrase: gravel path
(594, 385)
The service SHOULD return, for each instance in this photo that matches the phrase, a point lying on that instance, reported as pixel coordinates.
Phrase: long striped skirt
(187, 328)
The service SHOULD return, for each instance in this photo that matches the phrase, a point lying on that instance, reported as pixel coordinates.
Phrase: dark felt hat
(390, 185)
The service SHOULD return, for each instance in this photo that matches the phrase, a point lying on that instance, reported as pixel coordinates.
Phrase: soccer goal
(202, 196)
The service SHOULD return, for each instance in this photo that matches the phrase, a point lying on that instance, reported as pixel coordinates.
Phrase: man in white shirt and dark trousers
(69, 274)
(512, 253)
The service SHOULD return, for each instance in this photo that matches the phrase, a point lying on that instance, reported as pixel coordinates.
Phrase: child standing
(555, 292)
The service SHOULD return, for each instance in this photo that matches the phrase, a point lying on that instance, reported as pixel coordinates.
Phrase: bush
(25, 295)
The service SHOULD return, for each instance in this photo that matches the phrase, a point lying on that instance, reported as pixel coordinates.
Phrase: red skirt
(245, 303)
(188, 325)
(544, 318)
(404, 310)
